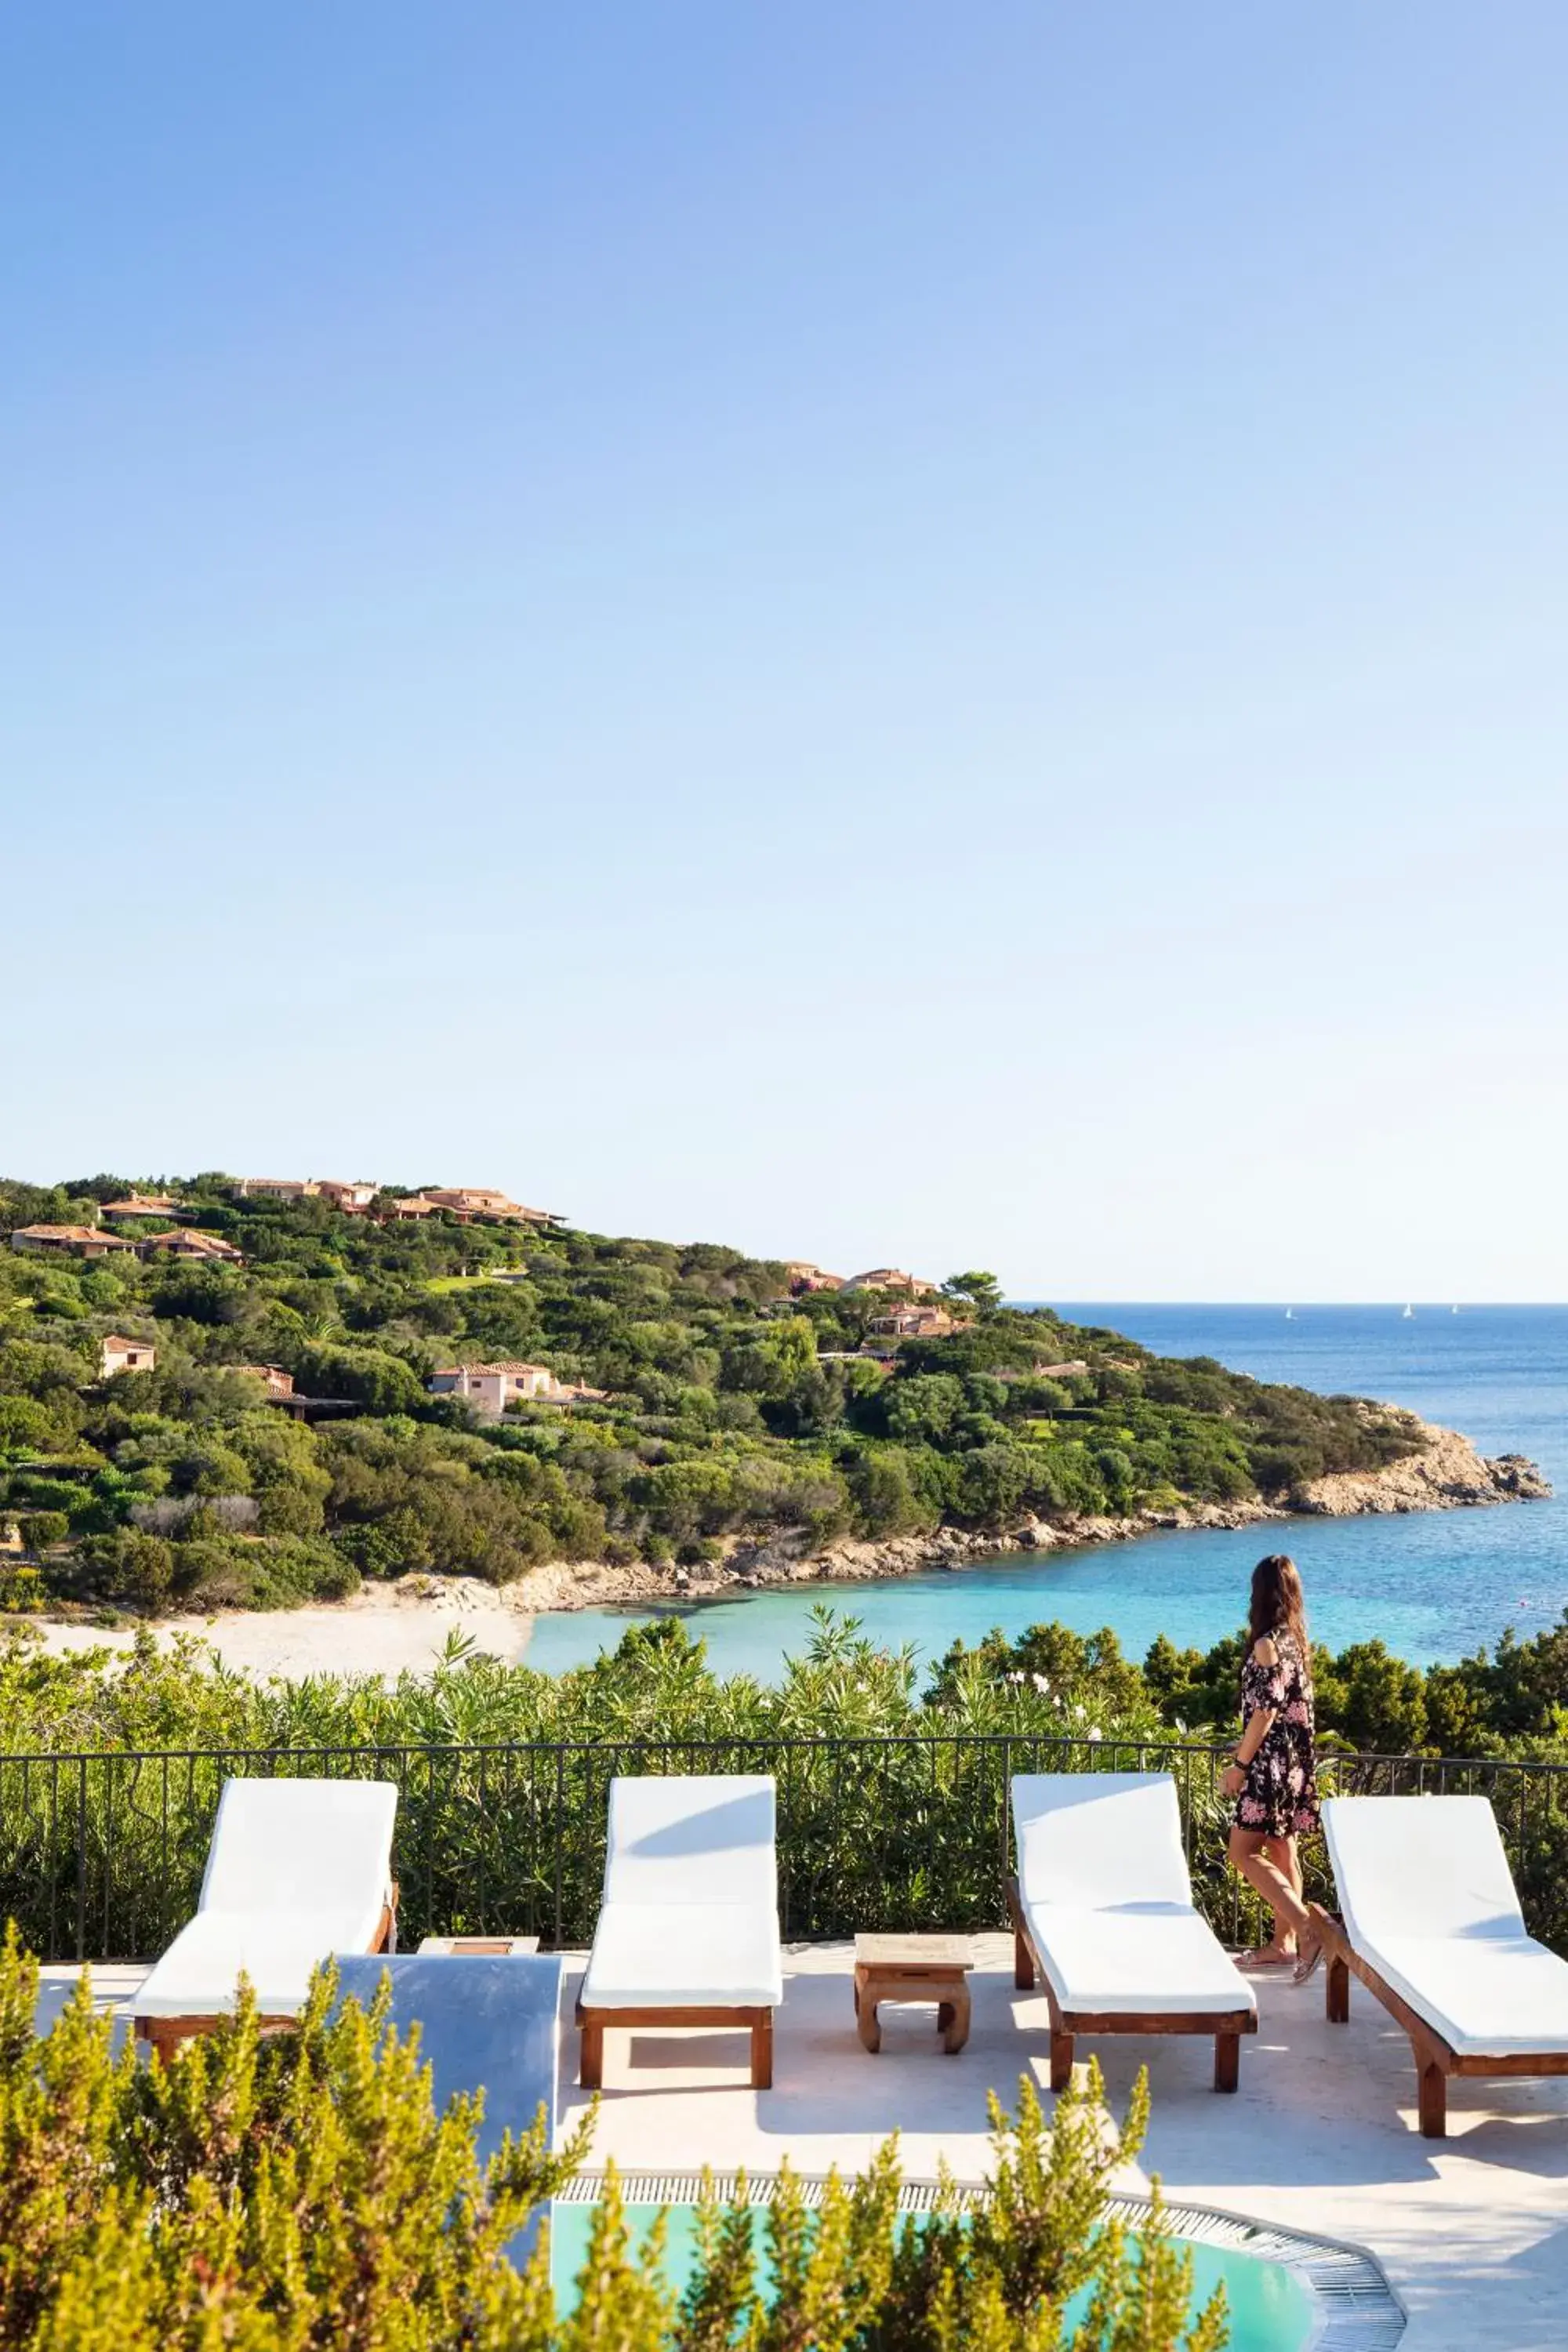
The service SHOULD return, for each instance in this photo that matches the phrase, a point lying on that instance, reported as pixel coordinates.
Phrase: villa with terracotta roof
(915, 1323)
(193, 1243)
(354, 1199)
(491, 1387)
(118, 1355)
(481, 1203)
(407, 1207)
(890, 1277)
(803, 1277)
(141, 1204)
(278, 1383)
(277, 1188)
(68, 1241)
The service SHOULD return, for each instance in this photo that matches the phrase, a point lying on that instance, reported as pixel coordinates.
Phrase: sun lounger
(688, 1929)
(1102, 1911)
(1431, 1924)
(296, 1870)
(486, 2024)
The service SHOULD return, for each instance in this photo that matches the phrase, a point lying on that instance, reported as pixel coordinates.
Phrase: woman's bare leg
(1283, 1853)
(1252, 1852)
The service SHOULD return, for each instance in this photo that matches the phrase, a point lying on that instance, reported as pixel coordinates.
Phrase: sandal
(1308, 1961)
(1267, 1956)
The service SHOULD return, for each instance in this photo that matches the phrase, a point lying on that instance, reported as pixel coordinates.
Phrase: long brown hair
(1278, 1603)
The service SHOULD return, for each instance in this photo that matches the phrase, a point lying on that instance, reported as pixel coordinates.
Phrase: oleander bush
(300, 2193)
(892, 1797)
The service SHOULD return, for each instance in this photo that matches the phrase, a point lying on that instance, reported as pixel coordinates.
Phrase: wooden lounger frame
(1226, 2025)
(757, 2022)
(165, 2035)
(1436, 2059)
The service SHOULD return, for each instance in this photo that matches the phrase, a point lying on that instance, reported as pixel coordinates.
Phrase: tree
(886, 1492)
(1375, 1699)
(921, 1410)
(982, 1291)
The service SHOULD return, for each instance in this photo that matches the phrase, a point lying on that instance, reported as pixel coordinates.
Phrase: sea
(1433, 1585)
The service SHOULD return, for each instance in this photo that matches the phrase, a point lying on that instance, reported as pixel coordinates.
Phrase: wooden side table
(913, 1968)
(480, 1947)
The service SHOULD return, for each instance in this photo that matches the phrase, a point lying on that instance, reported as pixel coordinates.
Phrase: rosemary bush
(300, 2193)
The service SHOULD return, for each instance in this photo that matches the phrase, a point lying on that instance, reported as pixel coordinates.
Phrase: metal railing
(101, 1853)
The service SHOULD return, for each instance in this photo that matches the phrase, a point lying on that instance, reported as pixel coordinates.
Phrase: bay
(1432, 1585)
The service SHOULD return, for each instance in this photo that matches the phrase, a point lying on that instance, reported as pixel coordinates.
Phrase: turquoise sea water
(1432, 1585)
(1269, 2311)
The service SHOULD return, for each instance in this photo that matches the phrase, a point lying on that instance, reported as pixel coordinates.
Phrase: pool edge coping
(1355, 2308)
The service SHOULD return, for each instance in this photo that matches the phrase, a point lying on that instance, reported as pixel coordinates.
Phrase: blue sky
(892, 634)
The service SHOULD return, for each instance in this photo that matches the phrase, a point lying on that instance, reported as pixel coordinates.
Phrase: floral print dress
(1281, 1794)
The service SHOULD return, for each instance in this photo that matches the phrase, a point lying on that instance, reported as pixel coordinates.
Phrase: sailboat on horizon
(1408, 1315)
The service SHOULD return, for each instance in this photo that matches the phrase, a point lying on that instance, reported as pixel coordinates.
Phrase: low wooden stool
(913, 1968)
(483, 1947)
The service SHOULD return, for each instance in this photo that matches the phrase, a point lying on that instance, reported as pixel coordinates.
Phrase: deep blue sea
(1432, 1585)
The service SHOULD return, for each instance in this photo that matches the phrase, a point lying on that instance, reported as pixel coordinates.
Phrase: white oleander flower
(1041, 1683)
(1094, 1731)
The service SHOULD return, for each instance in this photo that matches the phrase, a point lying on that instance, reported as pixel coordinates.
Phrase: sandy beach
(395, 1629)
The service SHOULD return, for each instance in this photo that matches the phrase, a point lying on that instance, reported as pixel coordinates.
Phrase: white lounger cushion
(1091, 1841)
(1104, 1887)
(685, 1956)
(198, 1974)
(296, 1871)
(1159, 1959)
(1428, 1899)
(690, 1918)
(691, 1838)
(305, 1845)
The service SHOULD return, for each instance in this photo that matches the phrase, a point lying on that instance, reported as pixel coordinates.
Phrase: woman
(1274, 1776)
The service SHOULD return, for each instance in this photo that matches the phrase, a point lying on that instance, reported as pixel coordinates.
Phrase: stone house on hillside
(193, 1245)
(410, 1205)
(277, 1188)
(915, 1323)
(469, 1202)
(353, 1200)
(68, 1241)
(143, 1204)
(118, 1355)
(278, 1383)
(891, 1278)
(491, 1387)
(803, 1277)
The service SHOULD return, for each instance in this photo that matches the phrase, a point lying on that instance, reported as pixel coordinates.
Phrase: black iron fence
(101, 1855)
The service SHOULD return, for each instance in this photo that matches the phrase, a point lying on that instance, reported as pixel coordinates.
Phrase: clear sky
(891, 633)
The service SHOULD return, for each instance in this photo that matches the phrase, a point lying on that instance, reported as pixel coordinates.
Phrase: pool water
(1271, 2310)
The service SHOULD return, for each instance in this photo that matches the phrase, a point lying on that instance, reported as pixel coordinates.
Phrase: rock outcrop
(1446, 1474)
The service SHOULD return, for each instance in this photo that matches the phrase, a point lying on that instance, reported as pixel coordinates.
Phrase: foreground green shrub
(300, 2191)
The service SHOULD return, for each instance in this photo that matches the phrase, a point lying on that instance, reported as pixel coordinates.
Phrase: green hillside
(732, 1409)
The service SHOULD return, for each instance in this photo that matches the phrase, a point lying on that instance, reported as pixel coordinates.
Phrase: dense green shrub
(893, 1800)
(129, 1565)
(300, 2193)
(41, 1528)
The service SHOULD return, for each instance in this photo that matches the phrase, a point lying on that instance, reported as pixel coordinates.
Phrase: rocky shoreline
(1446, 1474)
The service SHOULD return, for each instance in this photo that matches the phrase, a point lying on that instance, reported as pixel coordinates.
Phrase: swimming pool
(1283, 2291)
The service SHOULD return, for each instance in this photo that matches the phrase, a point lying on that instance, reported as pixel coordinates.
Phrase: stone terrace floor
(1471, 2231)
